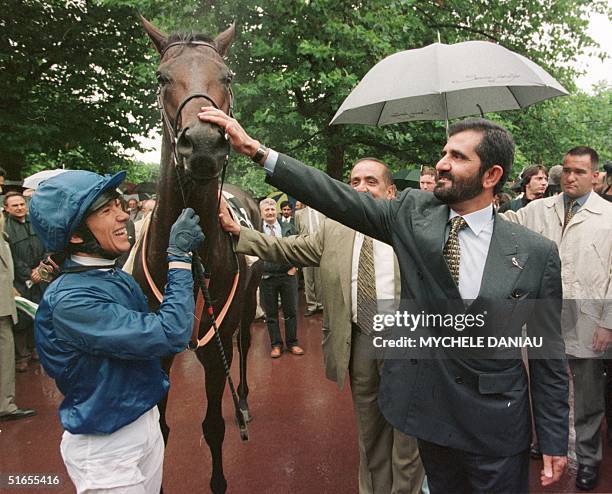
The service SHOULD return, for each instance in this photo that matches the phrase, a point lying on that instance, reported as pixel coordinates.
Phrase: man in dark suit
(279, 280)
(471, 416)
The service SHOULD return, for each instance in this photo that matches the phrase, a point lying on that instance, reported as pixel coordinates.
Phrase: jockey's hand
(554, 466)
(185, 234)
(239, 139)
(228, 223)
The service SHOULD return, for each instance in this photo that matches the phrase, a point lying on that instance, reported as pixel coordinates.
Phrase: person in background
(27, 252)
(428, 179)
(534, 181)
(554, 181)
(286, 215)
(580, 223)
(307, 222)
(279, 280)
(8, 316)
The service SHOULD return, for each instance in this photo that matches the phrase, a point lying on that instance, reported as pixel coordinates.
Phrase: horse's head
(192, 74)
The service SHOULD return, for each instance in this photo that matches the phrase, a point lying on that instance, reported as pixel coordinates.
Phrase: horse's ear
(224, 39)
(158, 37)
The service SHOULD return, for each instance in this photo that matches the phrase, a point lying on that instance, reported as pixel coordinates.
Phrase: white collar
(477, 220)
(92, 261)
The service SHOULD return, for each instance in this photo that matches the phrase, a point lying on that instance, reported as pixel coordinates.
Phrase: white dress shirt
(474, 242)
(384, 270)
(274, 229)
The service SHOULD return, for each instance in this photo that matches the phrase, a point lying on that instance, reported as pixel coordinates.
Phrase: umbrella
(279, 196)
(407, 178)
(145, 188)
(33, 181)
(441, 82)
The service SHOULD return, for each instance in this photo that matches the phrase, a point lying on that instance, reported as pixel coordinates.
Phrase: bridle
(172, 125)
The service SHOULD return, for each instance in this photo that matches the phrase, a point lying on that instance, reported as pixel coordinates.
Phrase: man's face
(108, 226)
(459, 177)
(537, 185)
(369, 176)
(1, 183)
(268, 213)
(286, 211)
(132, 203)
(427, 183)
(600, 184)
(577, 176)
(16, 207)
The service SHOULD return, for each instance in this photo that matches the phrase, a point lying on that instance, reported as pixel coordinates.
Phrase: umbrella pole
(446, 114)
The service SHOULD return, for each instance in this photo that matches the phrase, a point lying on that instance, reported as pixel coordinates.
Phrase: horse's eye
(161, 79)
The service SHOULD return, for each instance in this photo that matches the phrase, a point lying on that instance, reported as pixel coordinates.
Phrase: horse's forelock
(187, 37)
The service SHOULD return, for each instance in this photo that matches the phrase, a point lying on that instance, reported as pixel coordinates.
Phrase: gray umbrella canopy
(442, 82)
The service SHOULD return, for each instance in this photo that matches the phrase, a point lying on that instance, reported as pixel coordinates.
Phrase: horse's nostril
(184, 144)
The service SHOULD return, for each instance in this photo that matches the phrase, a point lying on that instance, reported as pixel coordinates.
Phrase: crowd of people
(439, 424)
(460, 238)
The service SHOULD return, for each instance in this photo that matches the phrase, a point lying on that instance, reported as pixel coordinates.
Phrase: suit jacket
(331, 248)
(302, 220)
(7, 300)
(478, 405)
(279, 268)
(585, 247)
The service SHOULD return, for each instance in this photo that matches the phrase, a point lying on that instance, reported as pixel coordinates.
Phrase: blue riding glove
(185, 234)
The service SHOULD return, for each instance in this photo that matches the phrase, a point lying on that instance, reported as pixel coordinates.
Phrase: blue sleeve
(93, 320)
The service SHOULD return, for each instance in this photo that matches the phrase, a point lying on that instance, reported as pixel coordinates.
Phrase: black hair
(495, 148)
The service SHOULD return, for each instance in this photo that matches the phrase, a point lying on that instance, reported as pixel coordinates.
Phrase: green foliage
(78, 77)
(74, 89)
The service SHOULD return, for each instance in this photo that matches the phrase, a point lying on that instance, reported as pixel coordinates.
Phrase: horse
(192, 74)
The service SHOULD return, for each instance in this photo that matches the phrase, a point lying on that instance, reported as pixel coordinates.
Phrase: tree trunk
(335, 152)
(13, 165)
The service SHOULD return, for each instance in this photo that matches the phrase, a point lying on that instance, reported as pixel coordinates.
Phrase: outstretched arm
(334, 199)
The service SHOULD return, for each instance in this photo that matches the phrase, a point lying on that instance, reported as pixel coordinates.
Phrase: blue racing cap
(60, 204)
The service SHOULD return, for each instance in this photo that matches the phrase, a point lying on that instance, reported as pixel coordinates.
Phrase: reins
(204, 301)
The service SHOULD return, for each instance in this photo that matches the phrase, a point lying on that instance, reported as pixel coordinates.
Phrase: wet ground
(302, 438)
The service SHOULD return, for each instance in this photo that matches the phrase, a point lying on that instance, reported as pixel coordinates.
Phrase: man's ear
(492, 176)
(76, 239)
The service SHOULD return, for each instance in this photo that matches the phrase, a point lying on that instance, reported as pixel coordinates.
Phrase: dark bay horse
(192, 74)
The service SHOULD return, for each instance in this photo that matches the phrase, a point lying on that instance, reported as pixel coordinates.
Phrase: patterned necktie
(452, 252)
(366, 287)
(271, 230)
(569, 213)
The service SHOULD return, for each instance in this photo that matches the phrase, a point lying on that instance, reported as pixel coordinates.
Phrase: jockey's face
(108, 226)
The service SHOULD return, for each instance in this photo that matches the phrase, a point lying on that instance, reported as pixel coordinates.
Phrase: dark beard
(459, 191)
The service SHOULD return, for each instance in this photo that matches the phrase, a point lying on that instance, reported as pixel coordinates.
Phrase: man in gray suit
(470, 415)
(389, 460)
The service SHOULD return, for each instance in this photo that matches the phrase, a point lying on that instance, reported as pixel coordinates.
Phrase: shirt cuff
(270, 162)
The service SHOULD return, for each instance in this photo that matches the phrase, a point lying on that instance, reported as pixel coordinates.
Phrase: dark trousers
(270, 288)
(460, 472)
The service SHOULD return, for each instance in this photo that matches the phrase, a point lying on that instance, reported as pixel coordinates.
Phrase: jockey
(97, 338)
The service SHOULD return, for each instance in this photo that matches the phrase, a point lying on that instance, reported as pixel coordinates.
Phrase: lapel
(503, 260)
(397, 278)
(429, 229)
(345, 263)
(560, 208)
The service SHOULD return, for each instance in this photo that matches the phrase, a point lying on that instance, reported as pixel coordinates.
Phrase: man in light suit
(307, 222)
(579, 221)
(470, 415)
(389, 459)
